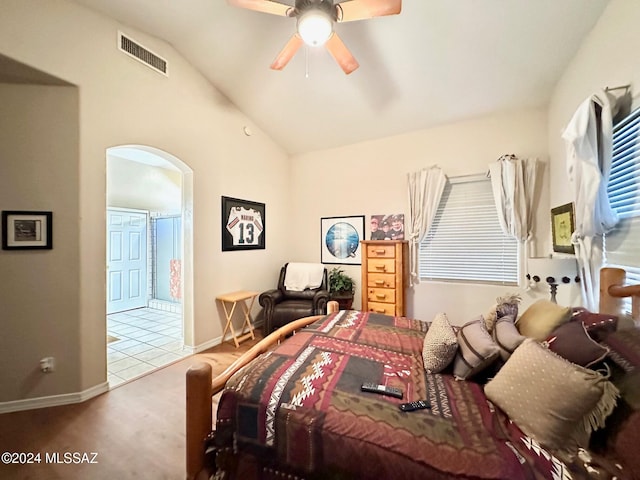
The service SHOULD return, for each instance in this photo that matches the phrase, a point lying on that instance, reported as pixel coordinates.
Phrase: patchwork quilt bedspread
(300, 407)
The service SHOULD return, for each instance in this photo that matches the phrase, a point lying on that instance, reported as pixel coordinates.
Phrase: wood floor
(136, 430)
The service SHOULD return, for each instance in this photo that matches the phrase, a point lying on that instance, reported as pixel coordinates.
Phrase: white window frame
(441, 254)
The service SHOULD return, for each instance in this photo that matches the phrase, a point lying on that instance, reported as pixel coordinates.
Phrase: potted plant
(341, 288)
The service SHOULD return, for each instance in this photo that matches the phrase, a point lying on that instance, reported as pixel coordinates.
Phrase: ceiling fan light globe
(315, 27)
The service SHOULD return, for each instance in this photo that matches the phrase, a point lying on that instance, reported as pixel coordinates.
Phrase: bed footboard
(201, 388)
(199, 416)
(613, 291)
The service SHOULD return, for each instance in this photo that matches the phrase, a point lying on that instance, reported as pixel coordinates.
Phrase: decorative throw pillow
(625, 348)
(440, 345)
(476, 350)
(542, 318)
(572, 342)
(556, 402)
(505, 305)
(506, 336)
(627, 322)
(598, 325)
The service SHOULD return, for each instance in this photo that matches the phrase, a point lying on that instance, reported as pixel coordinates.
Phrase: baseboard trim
(79, 397)
(53, 400)
(206, 345)
(214, 342)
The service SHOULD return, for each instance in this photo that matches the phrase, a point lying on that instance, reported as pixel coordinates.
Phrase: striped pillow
(476, 350)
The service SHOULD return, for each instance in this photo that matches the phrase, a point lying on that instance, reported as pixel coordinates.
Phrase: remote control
(381, 389)
(411, 406)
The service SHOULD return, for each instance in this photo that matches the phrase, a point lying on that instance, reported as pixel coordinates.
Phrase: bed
(292, 407)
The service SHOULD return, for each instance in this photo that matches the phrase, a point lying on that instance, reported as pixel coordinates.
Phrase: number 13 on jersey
(245, 226)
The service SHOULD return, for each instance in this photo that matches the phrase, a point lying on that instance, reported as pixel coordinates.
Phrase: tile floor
(147, 339)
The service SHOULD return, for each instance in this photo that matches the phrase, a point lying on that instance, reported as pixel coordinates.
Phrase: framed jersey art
(243, 225)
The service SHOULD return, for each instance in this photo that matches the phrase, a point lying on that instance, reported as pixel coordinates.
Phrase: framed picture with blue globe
(340, 239)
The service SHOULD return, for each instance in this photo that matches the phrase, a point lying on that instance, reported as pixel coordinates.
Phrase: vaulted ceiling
(438, 61)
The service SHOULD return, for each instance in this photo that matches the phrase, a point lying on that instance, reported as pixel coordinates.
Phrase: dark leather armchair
(282, 306)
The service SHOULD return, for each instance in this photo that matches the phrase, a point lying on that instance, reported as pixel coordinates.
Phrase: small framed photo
(340, 240)
(243, 225)
(22, 230)
(562, 227)
(387, 227)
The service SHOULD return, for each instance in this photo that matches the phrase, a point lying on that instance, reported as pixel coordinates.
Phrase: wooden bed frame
(201, 387)
(612, 293)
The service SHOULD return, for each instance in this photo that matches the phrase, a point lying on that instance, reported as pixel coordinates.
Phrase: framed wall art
(562, 227)
(340, 240)
(24, 230)
(243, 225)
(387, 227)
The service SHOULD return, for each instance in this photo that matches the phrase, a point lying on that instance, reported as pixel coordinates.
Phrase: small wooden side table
(233, 299)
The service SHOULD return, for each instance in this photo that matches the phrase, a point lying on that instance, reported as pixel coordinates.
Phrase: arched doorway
(149, 260)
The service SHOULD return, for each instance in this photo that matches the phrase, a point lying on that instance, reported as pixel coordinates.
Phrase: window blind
(465, 242)
(622, 244)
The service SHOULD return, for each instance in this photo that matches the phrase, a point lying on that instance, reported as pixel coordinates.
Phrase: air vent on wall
(142, 54)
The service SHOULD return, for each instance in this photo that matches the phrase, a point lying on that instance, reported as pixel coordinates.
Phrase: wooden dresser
(385, 274)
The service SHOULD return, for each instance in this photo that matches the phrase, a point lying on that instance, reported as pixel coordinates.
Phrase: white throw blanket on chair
(300, 276)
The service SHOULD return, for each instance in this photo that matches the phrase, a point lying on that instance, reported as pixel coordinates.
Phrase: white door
(126, 260)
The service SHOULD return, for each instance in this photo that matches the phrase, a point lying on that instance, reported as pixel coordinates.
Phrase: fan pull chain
(306, 61)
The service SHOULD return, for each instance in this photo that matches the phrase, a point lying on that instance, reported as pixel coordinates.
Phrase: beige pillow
(440, 345)
(506, 336)
(542, 318)
(552, 400)
(476, 350)
(505, 305)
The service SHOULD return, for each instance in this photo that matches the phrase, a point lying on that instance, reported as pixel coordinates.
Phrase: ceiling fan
(316, 19)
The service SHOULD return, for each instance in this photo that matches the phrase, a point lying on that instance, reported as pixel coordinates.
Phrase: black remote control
(411, 406)
(381, 389)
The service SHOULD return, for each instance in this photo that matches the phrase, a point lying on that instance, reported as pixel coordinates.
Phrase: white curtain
(588, 141)
(513, 181)
(425, 190)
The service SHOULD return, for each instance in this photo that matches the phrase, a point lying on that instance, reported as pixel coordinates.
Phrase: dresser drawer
(381, 265)
(384, 308)
(381, 280)
(384, 295)
(381, 251)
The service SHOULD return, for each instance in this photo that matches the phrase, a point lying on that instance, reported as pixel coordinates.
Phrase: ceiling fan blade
(341, 54)
(363, 9)
(265, 6)
(287, 52)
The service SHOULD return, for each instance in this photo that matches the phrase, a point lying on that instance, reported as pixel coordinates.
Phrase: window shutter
(465, 242)
(622, 244)
(624, 183)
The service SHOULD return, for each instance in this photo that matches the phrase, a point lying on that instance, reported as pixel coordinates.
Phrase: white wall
(122, 102)
(39, 288)
(370, 178)
(607, 57)
(145, 187)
